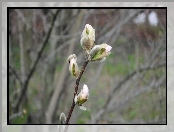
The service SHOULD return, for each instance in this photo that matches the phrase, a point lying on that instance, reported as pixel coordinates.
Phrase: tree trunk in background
(22, 51)
(49, 75)
(26, 33)
(24, 47)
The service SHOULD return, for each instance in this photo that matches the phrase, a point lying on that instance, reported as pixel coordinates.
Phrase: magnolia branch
(76, 89)
(93, 53)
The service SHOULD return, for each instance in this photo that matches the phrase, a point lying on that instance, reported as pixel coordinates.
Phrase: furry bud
(73, 67)
(82, 97)
(100, 52)
(87, 38)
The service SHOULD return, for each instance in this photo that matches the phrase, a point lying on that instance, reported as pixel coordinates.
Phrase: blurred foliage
(144, 108)
(84, 117)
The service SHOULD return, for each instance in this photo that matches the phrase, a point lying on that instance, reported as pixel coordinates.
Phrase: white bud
(87, 38)
(82, 97)
(73, 67)
(85, 92)
(62, 118)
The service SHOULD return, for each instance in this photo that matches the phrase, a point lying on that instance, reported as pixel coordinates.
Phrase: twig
(23, 18)
(76, 89)
(118, 26)
(138, 92)
(25, 85)
(15, 74)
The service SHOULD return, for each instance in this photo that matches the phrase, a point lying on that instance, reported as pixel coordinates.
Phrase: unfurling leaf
(100, 52)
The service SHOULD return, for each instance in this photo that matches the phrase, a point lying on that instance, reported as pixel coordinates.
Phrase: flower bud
(100, 52)
(82, 97)
(73, 67)
(88, 38)
(62, 118)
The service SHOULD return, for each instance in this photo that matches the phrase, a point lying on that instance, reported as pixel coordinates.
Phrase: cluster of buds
(82, 97)
(93, 53)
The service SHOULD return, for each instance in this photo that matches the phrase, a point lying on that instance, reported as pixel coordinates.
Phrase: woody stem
(76, 89)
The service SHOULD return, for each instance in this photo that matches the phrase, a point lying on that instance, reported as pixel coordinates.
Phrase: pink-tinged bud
(73, 67)
(82, 97)
(87, 38)
(100, 52)
(108, 48)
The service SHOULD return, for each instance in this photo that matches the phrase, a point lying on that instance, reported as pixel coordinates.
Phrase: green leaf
(73, 69)
(98, 54)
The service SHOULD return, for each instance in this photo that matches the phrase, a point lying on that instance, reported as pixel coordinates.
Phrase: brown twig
(76, 89)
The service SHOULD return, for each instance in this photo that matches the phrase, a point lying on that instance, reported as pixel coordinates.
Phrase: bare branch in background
(117, 87)
(22, 51)
(23, 18)
(118, 26)
(137, 92)
(15, 74)
(25, 85)
(17, 114)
